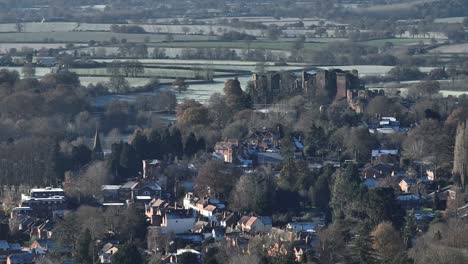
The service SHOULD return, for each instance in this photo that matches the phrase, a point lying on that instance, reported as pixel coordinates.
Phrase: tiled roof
(251, 221)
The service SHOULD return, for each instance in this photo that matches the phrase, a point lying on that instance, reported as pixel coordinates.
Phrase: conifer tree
(201, 144)
(345, 192)
(127, 254)
(175, 142)
(409, 229)
(191, 147)
(361, 250)
(155, 145)
(83, 254)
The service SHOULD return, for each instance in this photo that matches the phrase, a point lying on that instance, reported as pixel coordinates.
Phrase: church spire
(97, 149)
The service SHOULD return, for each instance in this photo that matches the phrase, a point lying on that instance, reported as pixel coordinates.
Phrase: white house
(255, 224)
(178, 221)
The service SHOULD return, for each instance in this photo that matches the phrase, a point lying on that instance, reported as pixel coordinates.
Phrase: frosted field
(36, 46)
(85, 80)
(449, 20)
(169, 52)
(46, 27)
(184, 62)
(199, 92)
(456, 48)
(373, 70)
(85, 36)
(155, 72)
(55, 27)
(218, 65)
(40, 71)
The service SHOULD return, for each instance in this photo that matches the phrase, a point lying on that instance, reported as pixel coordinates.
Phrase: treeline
(46, 125)
(168, 144)
(235, 35)
(127, 29)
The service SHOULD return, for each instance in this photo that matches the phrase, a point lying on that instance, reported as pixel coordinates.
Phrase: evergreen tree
(175, 142)
(409, 229)
(315, 141)
(264, 194)
(165, 143)
(154, 145)
(361, 251)
(188, 258)
(57, 161)
(382, 205)
(345, 192)
(201, 144)
(320, 195)
(127, 254)
(191, 145)
(114, 162)
(128, 161)
(304, 178)
(288, 175)
(83, 254)
(140, 145)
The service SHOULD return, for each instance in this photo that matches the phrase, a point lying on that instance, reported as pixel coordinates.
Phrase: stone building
(265, 87)
(329, 85)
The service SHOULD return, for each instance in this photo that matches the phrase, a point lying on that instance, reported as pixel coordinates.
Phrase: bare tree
(387, 242)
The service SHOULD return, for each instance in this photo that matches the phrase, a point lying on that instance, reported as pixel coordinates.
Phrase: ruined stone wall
(342, 84)
(325, 84)
(307, 84)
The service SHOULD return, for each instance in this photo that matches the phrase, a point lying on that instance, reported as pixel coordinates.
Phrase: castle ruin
(328, 85)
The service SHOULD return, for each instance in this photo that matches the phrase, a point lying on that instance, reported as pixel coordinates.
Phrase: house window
(146, 193)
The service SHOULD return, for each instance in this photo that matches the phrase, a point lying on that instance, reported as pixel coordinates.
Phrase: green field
(270, 45)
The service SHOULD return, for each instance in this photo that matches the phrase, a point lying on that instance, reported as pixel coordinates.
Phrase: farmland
(395, 7)
(194, 46)
(87, 80)
(394, 41)
(450, 20)
(269, 45)
(455, 48)
(148, 72)
(85, 37)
